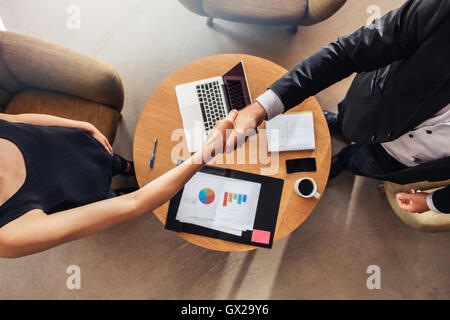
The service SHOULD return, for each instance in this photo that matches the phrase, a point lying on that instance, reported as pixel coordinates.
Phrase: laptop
(203, 103)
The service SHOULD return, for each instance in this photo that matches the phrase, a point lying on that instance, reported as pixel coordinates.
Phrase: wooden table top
(161, 117)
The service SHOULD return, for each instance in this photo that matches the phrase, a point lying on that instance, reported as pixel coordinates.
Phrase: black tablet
(229, 205)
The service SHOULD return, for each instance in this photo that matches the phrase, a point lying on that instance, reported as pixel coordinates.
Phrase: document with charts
(220, 203)
(229, 205)
(291, 132)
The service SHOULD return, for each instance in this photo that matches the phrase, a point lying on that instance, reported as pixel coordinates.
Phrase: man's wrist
(262, 113)
(271, 103)
(431, 205)
(257, 112)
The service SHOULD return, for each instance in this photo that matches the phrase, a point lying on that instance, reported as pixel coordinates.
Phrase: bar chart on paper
(227, 205)
(220, 203)
(238, 198)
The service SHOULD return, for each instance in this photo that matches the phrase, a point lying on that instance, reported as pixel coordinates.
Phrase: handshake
(230, 132)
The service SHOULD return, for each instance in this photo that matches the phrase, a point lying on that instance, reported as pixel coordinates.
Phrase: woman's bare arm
(44, 120)
(35, 231)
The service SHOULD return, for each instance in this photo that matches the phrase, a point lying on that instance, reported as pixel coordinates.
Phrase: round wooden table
(161, 117)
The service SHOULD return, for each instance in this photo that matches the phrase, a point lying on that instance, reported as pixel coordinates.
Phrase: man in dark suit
(397, 110)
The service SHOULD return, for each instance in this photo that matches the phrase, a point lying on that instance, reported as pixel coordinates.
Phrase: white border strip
(2, 26)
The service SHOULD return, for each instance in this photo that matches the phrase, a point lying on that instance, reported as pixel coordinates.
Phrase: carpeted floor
(352, 228)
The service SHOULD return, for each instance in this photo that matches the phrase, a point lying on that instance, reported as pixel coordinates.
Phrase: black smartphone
(301, 165)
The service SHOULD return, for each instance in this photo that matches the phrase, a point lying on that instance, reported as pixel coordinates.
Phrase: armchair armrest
(319, 10)
(5, 96)
(41, 64)
(195, 6)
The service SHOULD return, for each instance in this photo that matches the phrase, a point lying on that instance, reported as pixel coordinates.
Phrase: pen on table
(153, 156)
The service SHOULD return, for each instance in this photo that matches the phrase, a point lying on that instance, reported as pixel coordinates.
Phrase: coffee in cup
(307, 188)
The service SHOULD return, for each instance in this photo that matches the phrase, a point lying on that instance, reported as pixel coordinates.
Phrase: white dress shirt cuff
(431, 203)
(271, 103)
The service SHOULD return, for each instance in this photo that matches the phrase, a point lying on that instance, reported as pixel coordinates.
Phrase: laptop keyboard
(211, 103)
(236, 94)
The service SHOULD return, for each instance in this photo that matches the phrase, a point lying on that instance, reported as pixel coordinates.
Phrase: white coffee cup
(313, 193)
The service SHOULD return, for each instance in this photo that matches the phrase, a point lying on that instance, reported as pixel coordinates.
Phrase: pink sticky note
(261, 236)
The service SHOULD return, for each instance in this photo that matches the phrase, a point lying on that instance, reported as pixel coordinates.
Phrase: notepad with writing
(291, 132)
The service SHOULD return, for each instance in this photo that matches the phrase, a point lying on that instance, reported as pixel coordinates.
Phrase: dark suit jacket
(403, 66)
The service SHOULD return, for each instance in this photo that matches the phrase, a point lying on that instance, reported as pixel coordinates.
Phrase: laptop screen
(236, 85)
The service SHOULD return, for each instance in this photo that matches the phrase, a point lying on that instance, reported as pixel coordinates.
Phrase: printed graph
(230, 197)
(206, 196)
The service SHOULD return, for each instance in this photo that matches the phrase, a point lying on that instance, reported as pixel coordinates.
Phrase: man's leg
(366, 160)
(361, 159)
(333, 121)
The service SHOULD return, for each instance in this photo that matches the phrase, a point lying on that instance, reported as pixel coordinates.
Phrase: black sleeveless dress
(66, 168)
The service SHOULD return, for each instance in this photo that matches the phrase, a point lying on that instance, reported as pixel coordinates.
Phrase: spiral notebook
(291, 132)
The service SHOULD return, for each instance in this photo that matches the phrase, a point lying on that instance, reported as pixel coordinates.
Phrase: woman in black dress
(55, 177)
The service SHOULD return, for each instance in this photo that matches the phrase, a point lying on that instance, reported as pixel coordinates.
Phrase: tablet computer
(229, 205)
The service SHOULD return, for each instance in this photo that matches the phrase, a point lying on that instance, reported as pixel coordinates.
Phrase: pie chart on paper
(206, 196)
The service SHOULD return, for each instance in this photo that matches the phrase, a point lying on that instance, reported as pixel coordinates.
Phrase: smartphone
(301, 165)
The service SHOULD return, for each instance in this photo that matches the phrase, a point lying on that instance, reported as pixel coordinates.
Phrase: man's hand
(413, 201)
(245, 124)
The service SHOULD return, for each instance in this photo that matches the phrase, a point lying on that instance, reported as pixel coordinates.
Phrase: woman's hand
(413, 201)
(223, 128)
(97, 135)
(217, 138)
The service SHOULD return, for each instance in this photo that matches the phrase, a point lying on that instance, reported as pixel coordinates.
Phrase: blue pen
(153, 156)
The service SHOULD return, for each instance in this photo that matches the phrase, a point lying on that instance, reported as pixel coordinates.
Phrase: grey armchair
(276, 12)
(38, 76)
